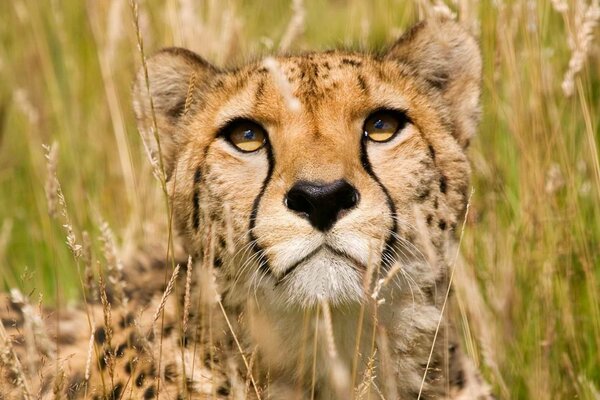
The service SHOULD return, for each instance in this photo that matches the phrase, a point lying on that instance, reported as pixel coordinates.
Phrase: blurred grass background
(528, 285)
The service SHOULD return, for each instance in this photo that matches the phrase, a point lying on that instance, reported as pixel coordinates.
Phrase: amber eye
(382, 126)
(246, 135)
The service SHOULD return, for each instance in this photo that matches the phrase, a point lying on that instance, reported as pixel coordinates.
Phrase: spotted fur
(275, 271)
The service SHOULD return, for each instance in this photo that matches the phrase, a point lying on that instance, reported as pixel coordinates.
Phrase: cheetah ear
(447, 56)
(175, 78)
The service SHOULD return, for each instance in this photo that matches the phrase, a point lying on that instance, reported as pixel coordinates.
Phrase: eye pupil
(249, 134)
(379, 124)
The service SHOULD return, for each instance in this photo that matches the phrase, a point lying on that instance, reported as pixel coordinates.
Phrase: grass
(528, 284)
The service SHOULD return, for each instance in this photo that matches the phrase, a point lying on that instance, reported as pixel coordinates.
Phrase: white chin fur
(323, 277)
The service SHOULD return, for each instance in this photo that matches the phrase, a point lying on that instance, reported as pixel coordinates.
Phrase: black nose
(322, 203)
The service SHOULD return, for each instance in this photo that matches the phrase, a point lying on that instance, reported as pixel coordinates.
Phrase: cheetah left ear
(162, 92)
(447, 56)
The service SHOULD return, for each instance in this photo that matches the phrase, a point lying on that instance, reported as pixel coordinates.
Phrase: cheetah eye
(383, 125)
(247, 136)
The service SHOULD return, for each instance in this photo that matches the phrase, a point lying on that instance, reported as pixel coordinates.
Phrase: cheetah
(319, 196)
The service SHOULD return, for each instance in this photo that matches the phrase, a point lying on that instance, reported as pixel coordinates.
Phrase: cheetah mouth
(323, 249)
(324, 274)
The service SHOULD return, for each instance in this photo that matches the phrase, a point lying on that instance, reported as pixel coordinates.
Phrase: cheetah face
(299, 174)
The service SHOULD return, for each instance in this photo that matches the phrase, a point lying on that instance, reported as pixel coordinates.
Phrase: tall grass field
(527, 287)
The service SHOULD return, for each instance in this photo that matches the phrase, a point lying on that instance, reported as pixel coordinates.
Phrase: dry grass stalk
(9, 359)
(55, 196)
(240, 350)
(282, 83)
(88, 361)
(114, 29)
(372, 264)
(106, 310)
(162, 176)
(580, 45)
(58, 383)
(34, 329)
(89, 282)
(560, 6)
(189, 98)
(295, 27)
(113, 263)
(339, 373)
(52, 185)
(368, 381)
(229, 228)
(187, 296)
(166, 293)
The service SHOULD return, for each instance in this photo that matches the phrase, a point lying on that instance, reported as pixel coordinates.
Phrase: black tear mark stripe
(263, 264)
(388, 253)
(196, 199)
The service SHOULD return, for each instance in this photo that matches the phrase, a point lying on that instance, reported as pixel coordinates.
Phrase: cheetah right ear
(175, 76)
(444, 54)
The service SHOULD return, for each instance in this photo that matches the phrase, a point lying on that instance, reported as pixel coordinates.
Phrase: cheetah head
(297, 175)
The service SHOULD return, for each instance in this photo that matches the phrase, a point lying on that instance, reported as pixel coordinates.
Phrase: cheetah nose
(322, 203)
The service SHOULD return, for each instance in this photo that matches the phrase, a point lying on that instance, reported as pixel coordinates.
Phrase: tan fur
(273, 269)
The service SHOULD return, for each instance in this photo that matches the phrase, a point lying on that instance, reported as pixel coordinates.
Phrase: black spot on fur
(223, 391)
(150, 393)
(438, 80)
(170, 372)
(443, 184)
(353, 63)
(76, 383)
(129, 366)
(102, 361)
(168, 329)
(260, 88)
(178, 110)
(100, 335)
(139, 381)
(126, 321)
(186, 339)
(66, 339)
(134, 340)
(116, 392)
(218, 263)
(429, 219)
(458, 378)
(422, 194)
(442, 225)
(152, 370)
(362, 84)
(121, 350)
